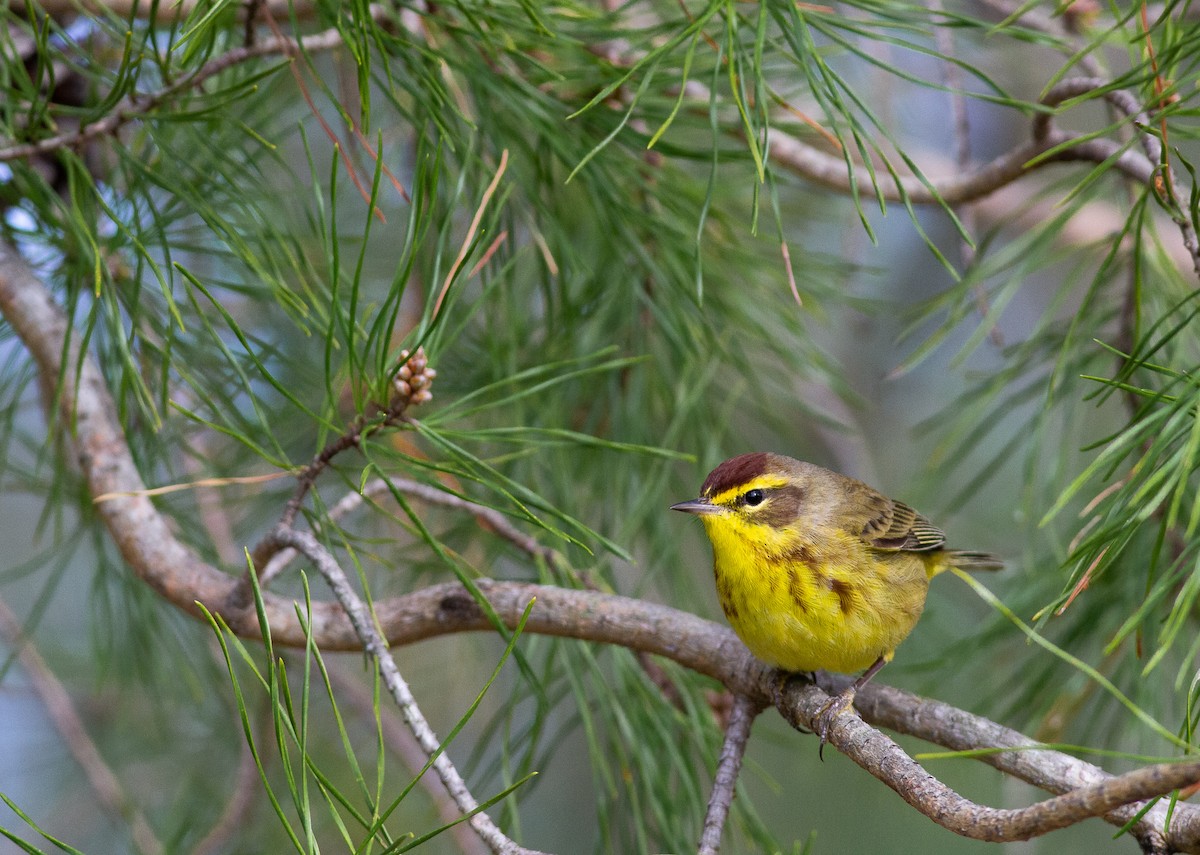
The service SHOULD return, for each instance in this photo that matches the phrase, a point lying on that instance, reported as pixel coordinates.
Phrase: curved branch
(832, 172)
(1086, 790)
(492, 519)
(1162, 179)
(959, 730)
(147, 543)
(400, 741)
(844, 176)
(789, 152)
(1047, 145)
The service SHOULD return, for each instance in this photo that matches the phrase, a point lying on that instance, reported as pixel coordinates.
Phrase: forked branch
(148, 544)
(375, 645)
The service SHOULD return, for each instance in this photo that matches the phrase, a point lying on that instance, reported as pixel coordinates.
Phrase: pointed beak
(699, 506)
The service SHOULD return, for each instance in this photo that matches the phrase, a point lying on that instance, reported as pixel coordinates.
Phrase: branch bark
(1086, 790)
(374, 644)
(145, 539)
(737, 734)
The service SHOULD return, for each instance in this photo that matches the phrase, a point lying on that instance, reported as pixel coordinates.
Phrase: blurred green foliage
(578, 211)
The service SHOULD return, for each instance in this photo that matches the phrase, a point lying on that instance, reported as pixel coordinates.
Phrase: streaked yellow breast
(807, 600)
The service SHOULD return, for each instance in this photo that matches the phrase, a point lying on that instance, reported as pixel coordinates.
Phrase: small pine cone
(414, 377)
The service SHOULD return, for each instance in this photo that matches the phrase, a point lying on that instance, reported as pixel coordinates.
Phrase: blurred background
(588, 216)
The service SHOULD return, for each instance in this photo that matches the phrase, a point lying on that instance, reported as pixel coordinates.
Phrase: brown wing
(896, 526)
(861, 510)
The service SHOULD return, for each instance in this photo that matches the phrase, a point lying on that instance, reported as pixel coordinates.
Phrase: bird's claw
(827, 715)
(779, 683)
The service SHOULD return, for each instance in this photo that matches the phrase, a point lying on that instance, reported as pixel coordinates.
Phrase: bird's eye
(753, 497)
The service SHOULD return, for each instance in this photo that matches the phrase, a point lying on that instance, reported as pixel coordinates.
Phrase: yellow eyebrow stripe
(762, 482)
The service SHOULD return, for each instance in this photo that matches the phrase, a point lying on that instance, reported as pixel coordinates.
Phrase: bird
(817, 571)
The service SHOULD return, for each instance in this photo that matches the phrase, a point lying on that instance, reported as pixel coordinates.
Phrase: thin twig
(492, 519)
(410, 387)
(62, 714)
(373, 643)
(400, 740)
(1160, 179)
(737, 734)
(264, 552)
(136, 106)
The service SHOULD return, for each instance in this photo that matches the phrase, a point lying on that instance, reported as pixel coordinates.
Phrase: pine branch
(149, 546)
(1135, 146)
(137, 106)
(729, 765)
(401, 741)
(375, 645)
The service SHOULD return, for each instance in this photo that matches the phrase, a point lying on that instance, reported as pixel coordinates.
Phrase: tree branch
(737, 733)
(831, 172)
(1048, 145)
(410, 387)
(400, 740)
(148, 544)
(787, 151)
(1162, 178)
(136, 106)
(374, 644)
(1116, 798)
(959, 730)
(490, 518)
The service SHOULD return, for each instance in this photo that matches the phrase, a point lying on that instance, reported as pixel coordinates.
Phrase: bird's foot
(779, 682)
(828, 713)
